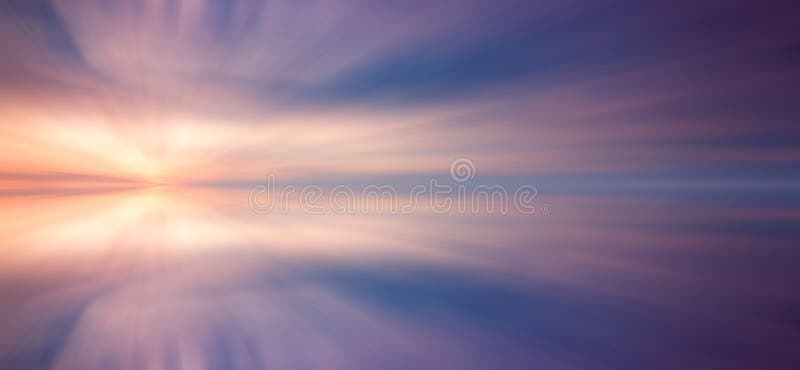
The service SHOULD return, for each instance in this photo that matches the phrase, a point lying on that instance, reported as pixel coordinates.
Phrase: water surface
(187, 278)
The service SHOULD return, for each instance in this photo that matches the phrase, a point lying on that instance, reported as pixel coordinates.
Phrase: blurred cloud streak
(665, 134)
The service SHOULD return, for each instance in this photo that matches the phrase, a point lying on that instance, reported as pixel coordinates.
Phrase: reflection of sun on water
(90, 223)
(187, 220)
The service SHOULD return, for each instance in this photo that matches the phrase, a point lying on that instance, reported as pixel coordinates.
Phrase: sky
(662, 139)
(230, 91)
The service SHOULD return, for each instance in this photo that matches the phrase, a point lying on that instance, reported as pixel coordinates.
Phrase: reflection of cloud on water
(190, 279)
(241, 310)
